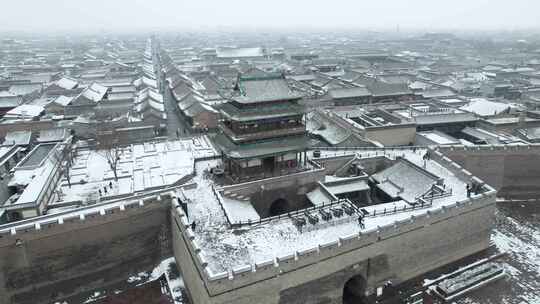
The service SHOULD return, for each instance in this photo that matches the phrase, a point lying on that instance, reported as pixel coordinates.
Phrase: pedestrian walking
(361, 222)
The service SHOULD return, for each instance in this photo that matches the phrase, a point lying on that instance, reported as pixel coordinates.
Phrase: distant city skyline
(426, 15)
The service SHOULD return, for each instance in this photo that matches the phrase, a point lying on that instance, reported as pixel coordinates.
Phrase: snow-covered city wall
(369, 242)
(514, 170)
(57, 251)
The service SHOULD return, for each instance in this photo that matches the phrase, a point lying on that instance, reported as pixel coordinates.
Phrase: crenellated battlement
(511, 169)
(104, 212)
(64, 248)
(508, 147)
(458, 170)
(487, 148)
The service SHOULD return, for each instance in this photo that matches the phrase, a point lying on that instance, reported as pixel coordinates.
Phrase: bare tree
(67, 157)
(64, 157)
(108, 144)
(66, 170)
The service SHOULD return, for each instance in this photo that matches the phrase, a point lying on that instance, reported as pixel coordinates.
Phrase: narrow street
(175, 124)
(174, 121)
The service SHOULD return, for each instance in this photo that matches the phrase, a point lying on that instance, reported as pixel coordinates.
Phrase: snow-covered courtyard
(141, 167)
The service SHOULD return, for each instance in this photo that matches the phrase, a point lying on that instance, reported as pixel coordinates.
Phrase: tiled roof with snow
(438, 93)
(380, 88)
(25, 110)
(9, 100)
(439, 138)
(404, 180)
(67, 83)
(349, 92)
(149, 104)
(149, 94)
(240, 52)
(24, 89)
(197, 108)
(484, 107)
(95, 92)
(145, 81)
(37, 185)
(189, 100)
(253, 90)
(63, 100)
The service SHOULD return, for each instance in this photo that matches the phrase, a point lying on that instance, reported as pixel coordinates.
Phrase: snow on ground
(239, 210)
(225, 248)
(97, 295)
(141, 167)
(176, 284)
(518, 235)
(168, 268)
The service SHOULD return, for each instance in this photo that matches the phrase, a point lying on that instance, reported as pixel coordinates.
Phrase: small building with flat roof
(34, 182)
(430, 115)
(435, 138)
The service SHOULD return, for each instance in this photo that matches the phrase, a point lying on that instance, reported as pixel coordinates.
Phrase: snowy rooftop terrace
(223, 251)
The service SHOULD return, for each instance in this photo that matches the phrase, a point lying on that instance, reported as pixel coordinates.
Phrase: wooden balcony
(296, 130)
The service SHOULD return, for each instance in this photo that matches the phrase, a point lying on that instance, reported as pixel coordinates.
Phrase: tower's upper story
(263, 107)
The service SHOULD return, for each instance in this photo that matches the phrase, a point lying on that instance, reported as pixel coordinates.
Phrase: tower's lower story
(262, 159)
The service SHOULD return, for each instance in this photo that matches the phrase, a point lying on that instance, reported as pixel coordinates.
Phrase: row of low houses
(428, 122)
(108, 88)
(195, 100)
(132, 107)
(29, 176)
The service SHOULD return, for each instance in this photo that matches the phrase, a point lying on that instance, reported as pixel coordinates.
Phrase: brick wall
(81, 251)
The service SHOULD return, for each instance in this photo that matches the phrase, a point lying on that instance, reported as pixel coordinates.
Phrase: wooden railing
(421, 204)
(360, 212)
(262, 134)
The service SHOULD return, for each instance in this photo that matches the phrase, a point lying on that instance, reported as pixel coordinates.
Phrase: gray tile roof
(405, 180)
(349, 93)
(261, 149)
(380, 88)
(254, 90)
(250, 114)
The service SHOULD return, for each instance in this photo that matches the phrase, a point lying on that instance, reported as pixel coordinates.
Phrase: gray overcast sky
(373, 14)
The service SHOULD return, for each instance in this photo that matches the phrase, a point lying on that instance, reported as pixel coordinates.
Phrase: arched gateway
(354, 290)
(279, 206)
